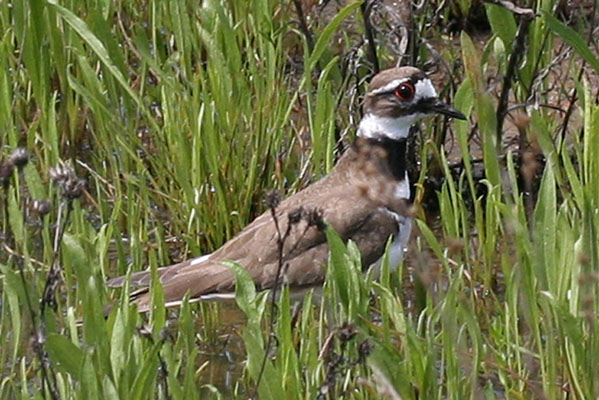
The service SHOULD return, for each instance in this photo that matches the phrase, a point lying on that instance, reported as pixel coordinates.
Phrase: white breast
(404, 223)
(402, 189)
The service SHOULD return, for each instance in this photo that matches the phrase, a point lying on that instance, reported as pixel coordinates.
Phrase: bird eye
(405, 91)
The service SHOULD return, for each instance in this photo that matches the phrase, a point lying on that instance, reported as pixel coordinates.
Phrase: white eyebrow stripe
(390, 86)
(425, 90)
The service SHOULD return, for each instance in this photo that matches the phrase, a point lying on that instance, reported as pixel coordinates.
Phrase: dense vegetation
(136, 134)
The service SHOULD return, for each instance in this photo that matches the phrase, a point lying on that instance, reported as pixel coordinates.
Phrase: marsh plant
(136, 134)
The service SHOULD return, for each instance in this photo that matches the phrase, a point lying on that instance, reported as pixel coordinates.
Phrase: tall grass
(181, 115)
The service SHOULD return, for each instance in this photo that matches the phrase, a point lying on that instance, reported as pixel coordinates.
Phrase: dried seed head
(61, 173)
(41, 207)
(295, 215)
(70, 185)
(19, 157)
(347, 332)
(364, 349)
(314, 217)
(273, 199)
(73, 189)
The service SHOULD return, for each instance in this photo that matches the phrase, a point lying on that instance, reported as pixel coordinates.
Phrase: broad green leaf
(146, 374)
(15, 216)
(118, 344)
(329, 31)
(94, 324)
(545, 225)
(338, 266)
(488, 124)
(502, 23)
(591, 144)
(64, 354)
(431, 239)
(324, 120)
(390, 365)
(89, 378)
(110, 391)
(245, 295)
(573, 39)
(572, 177)
(472, 64)
(245, 289)
(13, 289)
(158, 310)
(189, 381)
(75, 257)
(34, 182)
(484, 107)
(464, 101)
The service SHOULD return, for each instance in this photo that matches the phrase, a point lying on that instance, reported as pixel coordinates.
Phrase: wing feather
(354, 201)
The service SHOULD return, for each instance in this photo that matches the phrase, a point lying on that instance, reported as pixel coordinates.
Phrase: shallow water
(224, 358)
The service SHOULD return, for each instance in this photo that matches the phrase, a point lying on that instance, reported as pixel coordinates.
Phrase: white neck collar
(373, 126)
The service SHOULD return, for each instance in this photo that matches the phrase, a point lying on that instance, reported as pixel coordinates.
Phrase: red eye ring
(405, 91)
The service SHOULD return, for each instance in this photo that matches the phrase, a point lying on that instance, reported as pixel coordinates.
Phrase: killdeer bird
(363, 198)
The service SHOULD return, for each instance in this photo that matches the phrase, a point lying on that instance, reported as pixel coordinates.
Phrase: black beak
(438, 106)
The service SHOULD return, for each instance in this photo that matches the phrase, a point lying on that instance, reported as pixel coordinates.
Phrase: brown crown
(387, 105)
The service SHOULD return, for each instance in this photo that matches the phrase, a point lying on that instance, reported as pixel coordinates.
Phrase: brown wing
(351, 199)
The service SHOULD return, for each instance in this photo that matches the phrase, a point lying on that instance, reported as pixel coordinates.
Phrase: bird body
(363, 198)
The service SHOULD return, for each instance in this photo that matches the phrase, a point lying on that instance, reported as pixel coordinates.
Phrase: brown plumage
(360, 182)
(363, 198)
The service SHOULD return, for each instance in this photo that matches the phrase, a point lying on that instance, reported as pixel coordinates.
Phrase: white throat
(373, 126)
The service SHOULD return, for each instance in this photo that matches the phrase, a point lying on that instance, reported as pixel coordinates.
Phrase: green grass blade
(573, 38)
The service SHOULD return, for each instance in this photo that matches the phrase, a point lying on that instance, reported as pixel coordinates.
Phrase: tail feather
(138, 279)
(144, 278)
